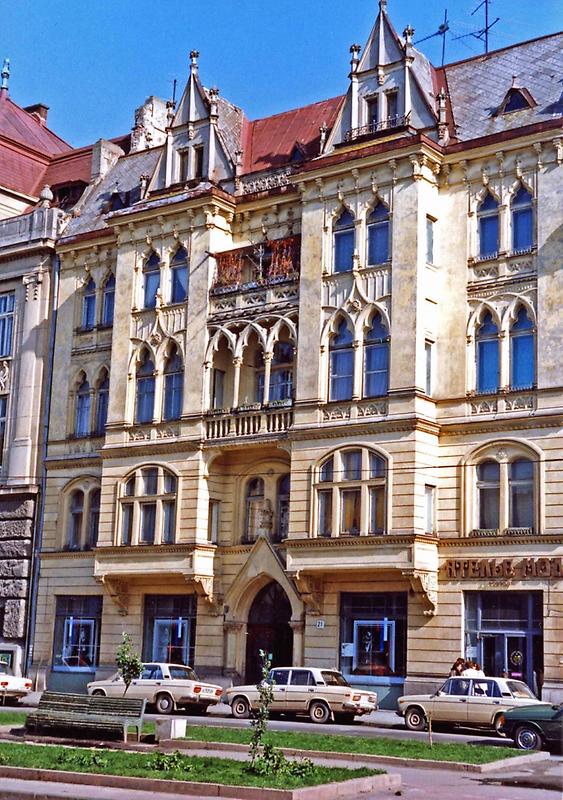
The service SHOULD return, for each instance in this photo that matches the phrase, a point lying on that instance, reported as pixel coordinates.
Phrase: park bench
(82, 712)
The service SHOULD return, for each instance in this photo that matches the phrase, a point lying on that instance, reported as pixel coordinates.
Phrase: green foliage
(169, 762)
(128, 661)
(74, 759)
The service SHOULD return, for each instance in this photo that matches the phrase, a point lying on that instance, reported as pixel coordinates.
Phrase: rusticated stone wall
(16, 530)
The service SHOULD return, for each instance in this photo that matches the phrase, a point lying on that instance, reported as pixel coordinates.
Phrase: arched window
(179, 276)
(376, 359)
(89, 305)
(148, 507)
(93, 519)
(151, 280)
(344, 242)
(378, 235)
(82, 413)
(522, 352)
(522, 221)
(341, 363)
(144, 406)
(255, 508)
(521, 493)
(282, 511)
(488, 489)
(173, 386)
(351, 489)
(102, 404)
(108, 301)
(487, 356)
(75, 519)
(487, 217)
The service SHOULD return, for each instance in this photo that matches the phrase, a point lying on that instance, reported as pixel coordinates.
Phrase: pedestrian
(457, 667)
(473, 670)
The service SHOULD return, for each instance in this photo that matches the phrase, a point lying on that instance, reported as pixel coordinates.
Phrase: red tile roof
(19, 170)
(26, 129)
(268, 143)
(68, 168)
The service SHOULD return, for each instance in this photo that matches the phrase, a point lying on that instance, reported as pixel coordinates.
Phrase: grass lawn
(13, 718)
(188, 768)
(403, 748)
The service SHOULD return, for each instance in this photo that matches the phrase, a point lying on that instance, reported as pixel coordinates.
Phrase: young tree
(128, 661)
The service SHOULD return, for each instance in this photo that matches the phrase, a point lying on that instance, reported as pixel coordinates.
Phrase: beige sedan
(164, 686)
(322, 694)
(471, 702)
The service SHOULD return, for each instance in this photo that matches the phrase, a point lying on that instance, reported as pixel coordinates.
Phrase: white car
(319, 693)
(11, 687)
(164, 686)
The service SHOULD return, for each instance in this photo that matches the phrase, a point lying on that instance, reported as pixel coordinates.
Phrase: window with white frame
(487, 352)
(522, 218)
(173, 385)
(522, 351)
(89, 305)
(378, 238)
(179, 276)
(350, 489)
(108, 301)
(7, 304)
(82, 516)
(82, 408)
(102, 404)
(376, 359)
(151, 280)
(344, 235)
(145, 387)
(488, 223)
(506, 492)
(148, 507)
(341, 363)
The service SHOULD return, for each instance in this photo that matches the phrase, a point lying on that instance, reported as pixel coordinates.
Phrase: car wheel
(415, 719)
(240, 708)
(499, 719)
(527, 738)
(319, 712)
(344, 719)
(98, 693)
(164, 704)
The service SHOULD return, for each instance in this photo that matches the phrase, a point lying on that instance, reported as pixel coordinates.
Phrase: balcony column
(158, 395)
(267, 373)
(298, 628)
(358, 370)
(354, 63)
(237, 364)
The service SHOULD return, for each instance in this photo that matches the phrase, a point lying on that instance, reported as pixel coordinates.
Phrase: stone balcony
(502, 267)
(40, 227)
(394, 124)
(253, 420)
(371, 283)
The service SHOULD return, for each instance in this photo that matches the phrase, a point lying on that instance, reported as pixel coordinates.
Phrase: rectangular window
(488, 236)
(108, 304)
(126, 523)
(522, 362)
(7, 302)
(350, 510)
(148, 523)
(3, 412)
(102, 411)
(152, 283)
(378, 242)
(88, 311)
(372, 113)
(344, 243)
(392, 107)
(522, 229)
(489, 507)
(173, 395)
(168, 521)
(428, 353)
(218, 388)
(430, 240)
(325, 512)
(352, 465)
(184, 165)
(169, 629)
(376, 509)
(341, 375)
(198, 161)
(76, 641)
(213, 521)
(488, 366)
(429, 509)
(376, 370)
(281, 384)
(179, 288)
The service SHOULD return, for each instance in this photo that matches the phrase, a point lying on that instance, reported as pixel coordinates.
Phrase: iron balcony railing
(377, 127)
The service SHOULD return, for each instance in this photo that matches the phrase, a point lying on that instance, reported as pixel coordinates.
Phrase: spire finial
(194, 55)
(408, 33)
(5, 75)
(382, 6)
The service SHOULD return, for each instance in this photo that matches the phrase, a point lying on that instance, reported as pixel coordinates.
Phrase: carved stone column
(235, 647)
(298, 628)
(237, 364)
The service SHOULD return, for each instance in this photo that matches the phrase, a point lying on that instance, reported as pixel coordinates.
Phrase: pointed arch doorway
(268, 629)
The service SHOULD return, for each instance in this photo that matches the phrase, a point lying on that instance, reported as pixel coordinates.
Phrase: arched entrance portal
(269, 630)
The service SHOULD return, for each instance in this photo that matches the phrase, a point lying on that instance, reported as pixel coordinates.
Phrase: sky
(94, 61)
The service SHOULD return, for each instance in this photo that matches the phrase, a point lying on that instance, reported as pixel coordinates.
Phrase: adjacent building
(307, 385)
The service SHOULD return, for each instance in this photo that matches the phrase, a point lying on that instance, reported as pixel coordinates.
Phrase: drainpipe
(40, 508)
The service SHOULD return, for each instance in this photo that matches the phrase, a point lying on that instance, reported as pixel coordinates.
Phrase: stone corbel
(425, 586)
(311, 590)
(118, 592)
(204, 588)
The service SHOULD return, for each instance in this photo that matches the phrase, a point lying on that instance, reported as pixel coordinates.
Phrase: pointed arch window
(179, 276)
(93, 519)
(341, 363)
(76, 514)
(173, 386)
(522, 221)
(522, 352)
(82, 413)
(487, 356)
(488, 221)
(144, 405)
(102, 404)
(344, 242)
(488, 490)
(378, 235)
(89, 305)
(255, 507)
(108, 303)
(376, 359)
(151, 280)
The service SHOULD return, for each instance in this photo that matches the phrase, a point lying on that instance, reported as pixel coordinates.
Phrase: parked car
(12, 687)
(472, 702)
(164, 686)
(534, 727)
(322, 694)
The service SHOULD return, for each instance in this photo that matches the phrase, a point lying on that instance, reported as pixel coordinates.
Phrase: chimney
(104, 156)
(39, 110)
(5, 75)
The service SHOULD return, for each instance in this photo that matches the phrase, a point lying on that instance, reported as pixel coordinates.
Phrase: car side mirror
(438, 693)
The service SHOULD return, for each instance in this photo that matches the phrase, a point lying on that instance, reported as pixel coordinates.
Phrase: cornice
(352, 542)
(500, 542)
(148, 448)
(471, 426)
(70, 460)
(328, 431)
(132, 551)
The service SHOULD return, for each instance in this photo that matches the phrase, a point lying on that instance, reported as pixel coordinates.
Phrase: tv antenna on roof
(483, 33)
(442, 30)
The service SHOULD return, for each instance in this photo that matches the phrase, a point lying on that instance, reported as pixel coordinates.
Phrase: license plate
(206, 691)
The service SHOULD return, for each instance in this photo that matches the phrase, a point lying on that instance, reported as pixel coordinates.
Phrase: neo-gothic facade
(307, 383)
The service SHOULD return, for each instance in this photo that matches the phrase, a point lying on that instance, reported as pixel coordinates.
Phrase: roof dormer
(517, 98)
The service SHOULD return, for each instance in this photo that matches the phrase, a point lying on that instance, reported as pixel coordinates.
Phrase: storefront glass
(169, 629)
(76, 641)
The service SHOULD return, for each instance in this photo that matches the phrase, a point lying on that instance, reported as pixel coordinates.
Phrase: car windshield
(334, 679)
(520, 689)
(182, 673)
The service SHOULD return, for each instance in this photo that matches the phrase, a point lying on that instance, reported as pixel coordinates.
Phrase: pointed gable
(383, 45)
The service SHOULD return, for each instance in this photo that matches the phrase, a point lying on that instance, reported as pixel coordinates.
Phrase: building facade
(307, 390)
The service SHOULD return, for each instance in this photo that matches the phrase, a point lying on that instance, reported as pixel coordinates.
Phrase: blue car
(534, 727)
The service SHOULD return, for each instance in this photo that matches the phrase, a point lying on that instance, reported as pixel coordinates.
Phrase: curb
(364, 758)
(326, 791)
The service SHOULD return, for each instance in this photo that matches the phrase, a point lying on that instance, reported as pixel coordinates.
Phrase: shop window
(522, 352)
(169, 629)
(373, 637)
(173, 386)
(179, 276)
(151, 280)
(144, 402)
(82, 412)
(7, 302)
(487, 356)
(341, 363)
(522, 221)
(108, 301)
(344, 242)
(488, 222)
(351, 496)
(376, 359)
(89, 305)
(378, 235)
(148, 501)
(282, 511)
(76, 640)
(102, 404)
